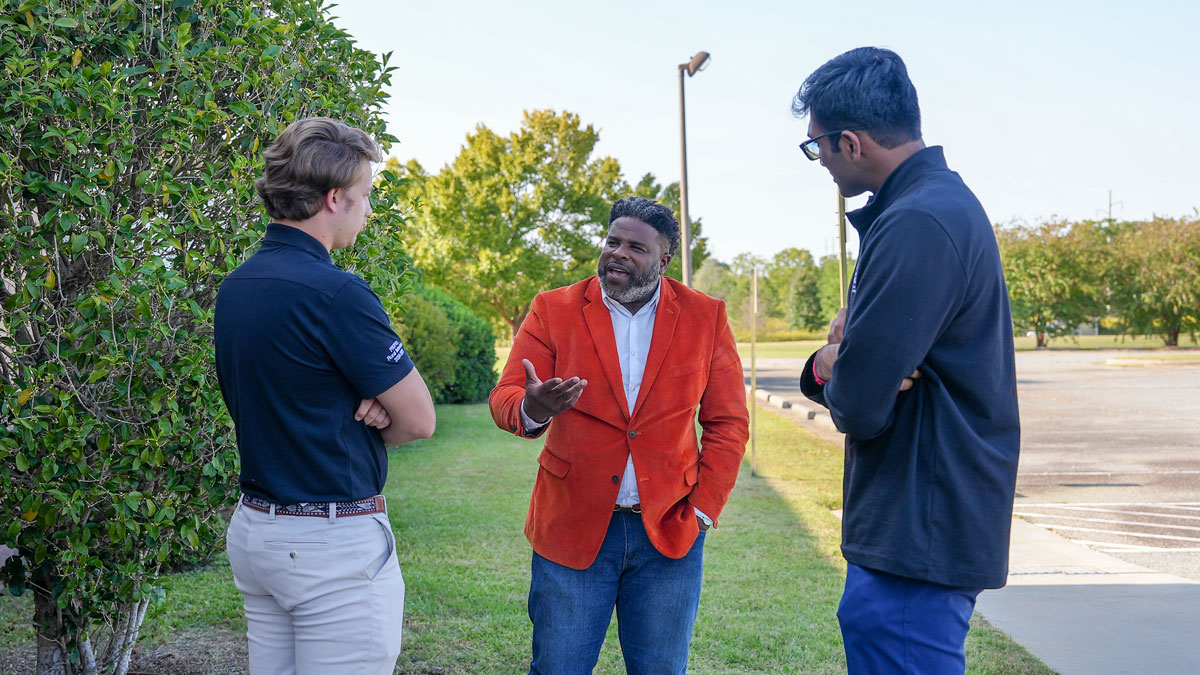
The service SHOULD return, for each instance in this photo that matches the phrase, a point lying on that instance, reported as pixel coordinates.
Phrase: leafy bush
(476, 349)
(130, 134)
(430, 339)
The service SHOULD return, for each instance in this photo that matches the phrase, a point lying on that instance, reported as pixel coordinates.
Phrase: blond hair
(309, 158)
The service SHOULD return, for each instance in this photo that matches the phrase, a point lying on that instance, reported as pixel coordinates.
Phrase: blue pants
(893, 624)
(656, 599)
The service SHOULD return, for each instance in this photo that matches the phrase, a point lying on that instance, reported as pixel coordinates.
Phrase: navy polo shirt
(299, 344)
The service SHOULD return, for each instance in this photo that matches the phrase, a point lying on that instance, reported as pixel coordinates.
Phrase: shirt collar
(899, 180)
(616, 306)
(287, 235)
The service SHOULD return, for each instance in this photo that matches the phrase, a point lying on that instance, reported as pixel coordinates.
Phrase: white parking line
(1190, 506)
(1110, 547)
(1073, 507)
(1123, 534)
(1106, 520)
(1157, 472)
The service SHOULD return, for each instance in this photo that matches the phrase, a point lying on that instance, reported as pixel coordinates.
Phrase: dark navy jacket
(300, 343)
(930, 472)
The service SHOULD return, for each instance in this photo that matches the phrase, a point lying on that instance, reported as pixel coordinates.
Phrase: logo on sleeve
(395, 352)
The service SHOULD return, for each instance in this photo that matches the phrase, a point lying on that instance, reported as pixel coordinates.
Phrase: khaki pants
(323, 596)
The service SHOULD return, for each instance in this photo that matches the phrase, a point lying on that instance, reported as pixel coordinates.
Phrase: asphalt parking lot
(1110, 454)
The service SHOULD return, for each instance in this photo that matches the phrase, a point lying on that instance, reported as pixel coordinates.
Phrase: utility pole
(843, 265)
(753, 365)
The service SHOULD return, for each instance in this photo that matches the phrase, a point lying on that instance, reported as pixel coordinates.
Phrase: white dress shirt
(633, 333)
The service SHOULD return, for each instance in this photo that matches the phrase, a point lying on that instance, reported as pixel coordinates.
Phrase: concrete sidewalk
(1078, 610)
(1083, 612)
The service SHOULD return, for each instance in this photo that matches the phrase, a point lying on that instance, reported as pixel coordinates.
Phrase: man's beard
(636, 288)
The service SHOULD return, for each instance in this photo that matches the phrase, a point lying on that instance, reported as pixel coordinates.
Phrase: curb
(810, 411)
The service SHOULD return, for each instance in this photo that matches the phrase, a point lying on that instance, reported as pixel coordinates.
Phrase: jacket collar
(909, 171)
(599, 323)
(286, 235)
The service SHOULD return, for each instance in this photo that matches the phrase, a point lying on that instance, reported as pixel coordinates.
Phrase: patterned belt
(361, 507)
(636, 508)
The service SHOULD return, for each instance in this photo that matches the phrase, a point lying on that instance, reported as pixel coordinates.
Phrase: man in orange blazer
(624, 492)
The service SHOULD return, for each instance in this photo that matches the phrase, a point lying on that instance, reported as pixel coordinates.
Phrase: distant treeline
(1135, 278)
(1138, 278)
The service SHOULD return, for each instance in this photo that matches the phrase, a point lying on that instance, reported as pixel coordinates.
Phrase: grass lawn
(773, 572)
(1105, 342)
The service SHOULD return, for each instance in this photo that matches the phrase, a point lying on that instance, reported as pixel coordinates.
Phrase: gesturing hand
(544, 400)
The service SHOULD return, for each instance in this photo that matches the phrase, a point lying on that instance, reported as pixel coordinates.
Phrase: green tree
(1156, 284)
(829, 285)
(513, 216)
(716, 279)
(669, 196)
(130, 134)
(1055, 274)
(792, 288)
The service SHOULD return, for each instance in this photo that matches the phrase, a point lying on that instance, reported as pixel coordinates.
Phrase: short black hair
(653, 214)
(867, 87)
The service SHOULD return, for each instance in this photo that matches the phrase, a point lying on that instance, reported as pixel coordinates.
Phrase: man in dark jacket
(918, 374)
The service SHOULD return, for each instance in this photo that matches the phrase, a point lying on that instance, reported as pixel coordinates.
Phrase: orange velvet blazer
(693, 362)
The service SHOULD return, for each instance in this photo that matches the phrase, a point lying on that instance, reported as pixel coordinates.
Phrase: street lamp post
(691, 68)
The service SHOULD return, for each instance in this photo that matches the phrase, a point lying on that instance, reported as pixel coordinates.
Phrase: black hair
(867, 87)
(653, 214)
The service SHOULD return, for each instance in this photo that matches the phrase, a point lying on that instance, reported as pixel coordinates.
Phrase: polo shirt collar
(287, 235)
(616, 306)
(903, 176)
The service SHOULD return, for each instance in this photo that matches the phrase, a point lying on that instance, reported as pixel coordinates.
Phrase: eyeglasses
(813, 151)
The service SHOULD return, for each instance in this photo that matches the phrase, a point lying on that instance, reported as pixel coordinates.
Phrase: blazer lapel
(665, 319)
(599, 324)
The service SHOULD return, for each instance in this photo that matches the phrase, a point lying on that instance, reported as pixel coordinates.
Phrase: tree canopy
(514, 215)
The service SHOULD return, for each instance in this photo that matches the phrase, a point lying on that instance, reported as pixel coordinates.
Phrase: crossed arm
(403, 413)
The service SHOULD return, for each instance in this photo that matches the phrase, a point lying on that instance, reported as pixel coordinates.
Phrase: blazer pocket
(685, 368)
(691, 475)
(554, 465)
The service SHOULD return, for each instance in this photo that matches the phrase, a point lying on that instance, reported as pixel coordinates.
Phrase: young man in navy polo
(918, 373)
(317, 383)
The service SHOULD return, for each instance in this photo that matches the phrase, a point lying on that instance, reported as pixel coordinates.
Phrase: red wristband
(816, 376)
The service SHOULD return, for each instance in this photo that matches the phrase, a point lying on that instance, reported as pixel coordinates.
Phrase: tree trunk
(52, 655)
(514, 323)
(1173, 336)
(1041, 339)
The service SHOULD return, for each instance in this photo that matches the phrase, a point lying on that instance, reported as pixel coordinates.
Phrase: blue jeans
(656, 599)
(893, 624)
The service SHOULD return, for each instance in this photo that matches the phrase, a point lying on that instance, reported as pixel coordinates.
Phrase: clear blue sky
(1042, 107)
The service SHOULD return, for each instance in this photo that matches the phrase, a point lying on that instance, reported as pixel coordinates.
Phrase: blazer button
(616, 479)
(633, 434)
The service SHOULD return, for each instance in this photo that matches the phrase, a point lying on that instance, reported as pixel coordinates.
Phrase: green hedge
(453, 347)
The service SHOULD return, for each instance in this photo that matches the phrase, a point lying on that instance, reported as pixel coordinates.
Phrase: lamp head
(698, 62)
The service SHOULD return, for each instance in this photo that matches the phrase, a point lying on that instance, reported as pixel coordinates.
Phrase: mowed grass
(773, 571)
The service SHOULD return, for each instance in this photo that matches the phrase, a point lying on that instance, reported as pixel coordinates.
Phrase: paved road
(1110, 455)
